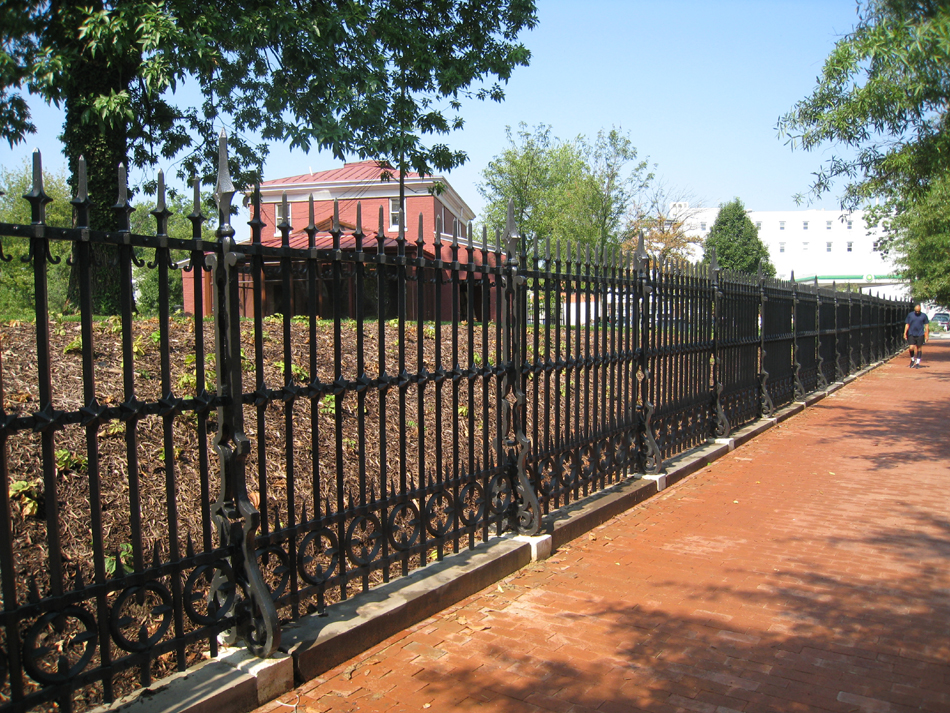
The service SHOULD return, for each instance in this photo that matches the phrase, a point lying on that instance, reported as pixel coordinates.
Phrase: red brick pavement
(806, 571)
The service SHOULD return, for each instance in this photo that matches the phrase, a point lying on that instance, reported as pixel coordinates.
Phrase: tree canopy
(736, 241)
(921, 243)
(368, 78)
(380, 79)
(882, 96)
(577, 192)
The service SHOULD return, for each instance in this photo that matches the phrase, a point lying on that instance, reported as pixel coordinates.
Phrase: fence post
(764, 399)
(528, 519)
(822, 379)
(652, 459)
(720, 427)
(236, 517)
(799, 387)
(852, 364)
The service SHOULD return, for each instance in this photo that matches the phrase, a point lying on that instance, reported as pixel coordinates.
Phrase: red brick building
(374, 186)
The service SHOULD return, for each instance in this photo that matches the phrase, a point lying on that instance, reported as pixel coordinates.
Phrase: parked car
(942, 319)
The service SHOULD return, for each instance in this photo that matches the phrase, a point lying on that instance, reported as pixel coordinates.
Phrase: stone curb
(237, 682)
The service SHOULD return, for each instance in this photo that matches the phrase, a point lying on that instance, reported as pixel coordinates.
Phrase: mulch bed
(417, 436)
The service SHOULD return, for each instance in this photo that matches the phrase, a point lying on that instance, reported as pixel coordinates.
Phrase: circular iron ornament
(364, 532)
(471, 503)
(548, 476)
(569, 465)
(605, 455)
(440, 509)
(275, 577)
(36, 646)
(143, 624)
(403, 522)
(323, 560)
(621, 451)
(222, 589)
(501, 495)
(588, 459)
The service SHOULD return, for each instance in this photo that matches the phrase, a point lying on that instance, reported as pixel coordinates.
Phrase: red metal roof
(359, 172)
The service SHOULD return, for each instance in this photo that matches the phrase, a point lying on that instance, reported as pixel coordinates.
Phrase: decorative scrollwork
(722, 427)
(765, 400)
(653, 460)
(59, 645)
(141, 616)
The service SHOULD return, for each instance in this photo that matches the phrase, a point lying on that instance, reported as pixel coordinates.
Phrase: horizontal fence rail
(347, 414)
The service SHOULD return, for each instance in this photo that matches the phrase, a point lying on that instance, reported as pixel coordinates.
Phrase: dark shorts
(917, 341)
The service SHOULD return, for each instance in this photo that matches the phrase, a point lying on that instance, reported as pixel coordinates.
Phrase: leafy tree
(883, 95)
(617, 179)
(369, 78)
(574, 192)
(17, 292)
(542, 176)
(662, 216)
(736, 241)
(921, 240)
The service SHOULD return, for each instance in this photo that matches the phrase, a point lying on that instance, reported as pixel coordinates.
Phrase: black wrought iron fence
(175, 482)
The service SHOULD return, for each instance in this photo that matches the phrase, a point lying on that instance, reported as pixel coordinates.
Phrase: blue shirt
(917, 323)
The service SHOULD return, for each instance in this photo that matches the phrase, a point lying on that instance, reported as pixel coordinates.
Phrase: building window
(827, 247)
(758, 225)
(279, 216)
(702, 226)
(827, 225)
(804, 247)
(850, 246)
(804, 225)
(781, 247)
(849, 225)
(781, 225)
(394, 213)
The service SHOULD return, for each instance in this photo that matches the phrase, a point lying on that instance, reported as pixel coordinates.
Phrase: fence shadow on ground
(837, 642)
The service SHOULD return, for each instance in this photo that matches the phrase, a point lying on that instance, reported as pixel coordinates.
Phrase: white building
(833, 246)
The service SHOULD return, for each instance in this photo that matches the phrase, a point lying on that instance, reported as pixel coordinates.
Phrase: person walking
(916, 332)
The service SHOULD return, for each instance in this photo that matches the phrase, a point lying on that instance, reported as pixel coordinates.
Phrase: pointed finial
(224, 189)
(161, 211)
(195, 216)
(81, 202)
(641, 253)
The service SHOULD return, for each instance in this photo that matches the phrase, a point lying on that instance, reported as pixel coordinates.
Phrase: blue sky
(698, 85)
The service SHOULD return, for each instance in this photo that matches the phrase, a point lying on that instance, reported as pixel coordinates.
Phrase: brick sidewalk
(806, 571)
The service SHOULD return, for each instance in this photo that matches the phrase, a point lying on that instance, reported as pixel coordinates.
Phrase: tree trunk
(104, 149)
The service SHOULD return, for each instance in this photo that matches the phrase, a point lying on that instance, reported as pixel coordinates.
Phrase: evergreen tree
(736, 241)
